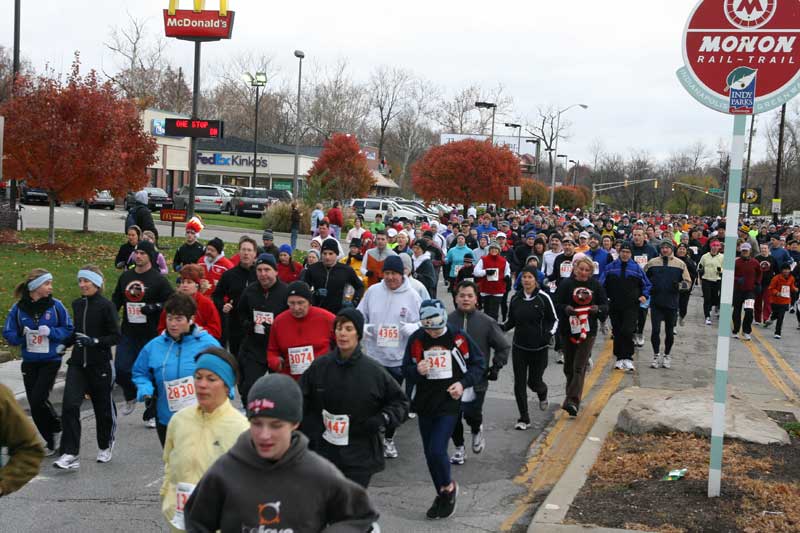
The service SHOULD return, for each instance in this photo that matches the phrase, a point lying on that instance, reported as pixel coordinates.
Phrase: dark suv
(156, 199)
(249, 201)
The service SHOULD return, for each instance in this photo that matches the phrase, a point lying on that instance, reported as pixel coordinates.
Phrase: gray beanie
(276, 396)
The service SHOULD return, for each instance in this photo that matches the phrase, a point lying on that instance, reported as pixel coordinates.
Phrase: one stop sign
(742, 56)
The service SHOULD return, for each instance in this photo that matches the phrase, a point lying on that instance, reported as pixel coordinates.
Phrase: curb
(553, 510)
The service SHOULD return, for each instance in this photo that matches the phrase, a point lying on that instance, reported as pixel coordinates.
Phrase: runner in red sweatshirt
(746, 283)
(299, 335)
(780, 295)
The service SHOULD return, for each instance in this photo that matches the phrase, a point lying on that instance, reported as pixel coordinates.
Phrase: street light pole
(779, 168)
(493, 107)
(295, 184)
(15, 71)
(576, 166)
(257, 81)
(555, 149)
(519, 136)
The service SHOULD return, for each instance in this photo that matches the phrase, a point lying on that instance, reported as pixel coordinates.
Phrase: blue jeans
(294, 239)
(436, 432)
(127, 351)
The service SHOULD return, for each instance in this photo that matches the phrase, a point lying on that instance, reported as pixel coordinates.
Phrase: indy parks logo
(749, 14)
(741, 85)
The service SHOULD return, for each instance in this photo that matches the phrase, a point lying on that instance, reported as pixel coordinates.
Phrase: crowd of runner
(331, 355)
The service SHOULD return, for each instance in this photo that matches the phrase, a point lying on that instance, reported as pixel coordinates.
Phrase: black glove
(374, 424)
(151, 309)
(84, 342)
(369, 273)
(569, 310)
(491, 373)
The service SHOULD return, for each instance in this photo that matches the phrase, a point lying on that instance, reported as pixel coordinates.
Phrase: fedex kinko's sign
(742, 56)
(198, 24)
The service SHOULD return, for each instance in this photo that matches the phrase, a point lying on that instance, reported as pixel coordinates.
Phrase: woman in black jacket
(424, 272)
(682, 253)
(89, 370)
(348, 400)
(580, 301)
(532, 316)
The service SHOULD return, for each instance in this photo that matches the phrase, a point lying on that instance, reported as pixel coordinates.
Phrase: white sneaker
(412, 415)
(708, 321)
(629, 365)
(589, 364)
(667, 361)
(49, 452)
(681, 320)
(777, 336)
(604, 328)
(520, 425)
(656, 363)
(459, 456)
(104, 456)
(560, 358)
(150, 424)
(747, 337)
(129, 407)
(620, 364)
(478, 442)
(68, 462)
(389, 449)
(543, 405)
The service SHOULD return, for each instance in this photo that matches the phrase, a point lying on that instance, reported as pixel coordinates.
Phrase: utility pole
(15, 71)
(777, 194)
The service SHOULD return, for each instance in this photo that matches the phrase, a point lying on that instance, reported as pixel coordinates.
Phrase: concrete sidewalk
(11, 377)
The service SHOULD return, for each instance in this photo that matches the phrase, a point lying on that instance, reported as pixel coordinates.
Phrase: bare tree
(547, 127)
(388, 89)
(174, 93)
(336, 103)
(458, 114)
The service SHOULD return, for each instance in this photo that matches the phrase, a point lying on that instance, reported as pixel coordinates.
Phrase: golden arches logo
(199, 5)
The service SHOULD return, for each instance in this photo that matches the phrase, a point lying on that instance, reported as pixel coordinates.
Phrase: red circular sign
(732, 43)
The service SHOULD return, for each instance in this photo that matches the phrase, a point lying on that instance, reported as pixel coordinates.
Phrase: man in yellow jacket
(18, 435)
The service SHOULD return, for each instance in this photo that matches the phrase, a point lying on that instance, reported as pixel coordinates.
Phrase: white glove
(44, 331)
(368, 330)
(27, 330)
(408, 328)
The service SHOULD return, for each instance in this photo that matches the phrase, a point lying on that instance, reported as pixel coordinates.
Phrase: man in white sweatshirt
(391, 315)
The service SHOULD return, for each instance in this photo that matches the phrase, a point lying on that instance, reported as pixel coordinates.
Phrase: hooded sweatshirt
(299, 492)
(387, 313)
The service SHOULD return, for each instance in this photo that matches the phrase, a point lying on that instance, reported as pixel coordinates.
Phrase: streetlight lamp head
(573, 161)
(584, 106)
(261, 78)
(485, 105)
(299, 54)
(512, 125)
(247, 77)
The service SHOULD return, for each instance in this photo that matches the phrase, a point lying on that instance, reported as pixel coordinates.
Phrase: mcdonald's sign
(198, 24)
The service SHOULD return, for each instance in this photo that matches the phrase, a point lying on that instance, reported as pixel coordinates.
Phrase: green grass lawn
(213, 219)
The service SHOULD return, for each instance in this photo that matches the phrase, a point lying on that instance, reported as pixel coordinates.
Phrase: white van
(369, 207)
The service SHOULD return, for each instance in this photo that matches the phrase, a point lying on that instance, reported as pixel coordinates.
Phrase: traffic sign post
(740, 57)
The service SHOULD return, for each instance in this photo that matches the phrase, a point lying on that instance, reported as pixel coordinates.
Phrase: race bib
(261, 318)
(785, 291)
(457, 269)
(492, 274)
(182, 493)
(693, 249)
(441, 363)
(641, 260)
(36, 343)
(180, 393)
(596, 268)
(552, 286)
(565, 270)
(134, 312)
(389, 335)
(471, 280)
(750, 303)
(574, 324)
(337, 428)
(300, 358)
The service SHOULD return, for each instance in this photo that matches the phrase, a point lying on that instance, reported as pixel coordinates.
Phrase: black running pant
(98, 382)
(529, 366)
(710, 295)
(669, 318)
(623, 326)
(39, 378)
(738, 304)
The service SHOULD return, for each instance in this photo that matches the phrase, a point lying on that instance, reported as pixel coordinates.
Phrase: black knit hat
(267, 259)
(355, 242)
(276, 396)
(330, 245)
(217, 243)
(300, 288)
(353, 315)
(150, 249)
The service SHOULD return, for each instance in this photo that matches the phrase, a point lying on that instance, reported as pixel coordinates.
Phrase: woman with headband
(89, 370)
(40, 325)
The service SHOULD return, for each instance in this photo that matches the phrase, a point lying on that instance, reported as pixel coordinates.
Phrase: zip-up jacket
(214, 272)
(624, 283)
(710, 266)
(95, 316)
(533, 318)
(257, 310)
(187, 254)
(362, 389)
(666, 275)
(455, 259)
(373, 263)
(779, 288)
(229, 288)
(207, 316)
(328, 284)
(601, 259)
(44, 312)
(313, 332)
(642, 254)
(565, 297)
(383, 307)
(746, 275)
(165, 359)
(487, 336)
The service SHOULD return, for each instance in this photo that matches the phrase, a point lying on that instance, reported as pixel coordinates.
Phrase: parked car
(248, 201)
(369, 207)
(30, 195)
(156, 199)
(207, 198)
(101, 199)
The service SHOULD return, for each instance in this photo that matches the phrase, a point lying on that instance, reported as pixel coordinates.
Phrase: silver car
(207, 198)
(249, 201)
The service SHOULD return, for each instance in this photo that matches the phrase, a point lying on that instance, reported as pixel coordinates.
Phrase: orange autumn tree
(466, 172)
(74, 137)
(343, 168)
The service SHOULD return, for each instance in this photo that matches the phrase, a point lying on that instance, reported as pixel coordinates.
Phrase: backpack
(130, 220)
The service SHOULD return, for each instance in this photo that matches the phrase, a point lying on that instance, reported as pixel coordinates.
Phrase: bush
(534, 193)
(278, 217)
(568, 198)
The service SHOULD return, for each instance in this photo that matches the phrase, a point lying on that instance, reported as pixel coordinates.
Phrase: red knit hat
(193, 272)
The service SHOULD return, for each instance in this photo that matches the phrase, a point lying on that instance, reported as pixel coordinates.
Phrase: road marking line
(555, 453)
(794, 376)
(769, 371)
(527, 469)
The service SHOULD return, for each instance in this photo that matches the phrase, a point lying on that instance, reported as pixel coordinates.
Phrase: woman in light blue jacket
(168, 361)
(40, 325)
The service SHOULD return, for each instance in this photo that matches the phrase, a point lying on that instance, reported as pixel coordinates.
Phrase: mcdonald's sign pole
(197, 25)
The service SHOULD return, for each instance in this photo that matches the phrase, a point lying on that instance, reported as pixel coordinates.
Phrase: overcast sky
(617, 57)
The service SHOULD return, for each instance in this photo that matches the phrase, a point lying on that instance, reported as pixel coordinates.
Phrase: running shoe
(667, 362)
(389, 449)
(620, 364)
(522, 425)
(629, 365)
(767, 323)
(747, 337)
(129, 407)
(777, 336)
(681, 321)
(459, 456)
(734, 335)
(543, 405)
(412, 415)
(104, 456)
(571, 408)
(68, 462)
(448, 502)
(151, 424)
(656, 362)
(433, 512)
(478, 442)
(708, 321)
(560, 358)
